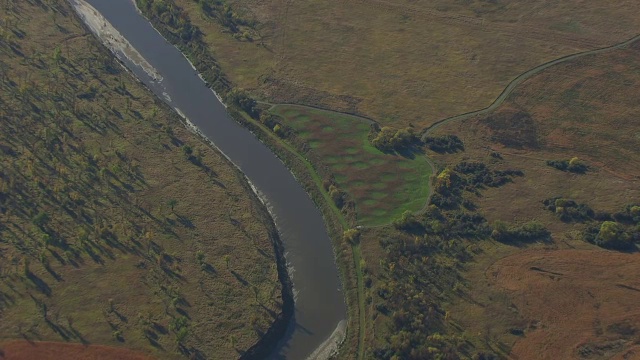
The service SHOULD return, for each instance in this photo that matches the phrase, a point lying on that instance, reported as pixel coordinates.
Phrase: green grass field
(383, 186)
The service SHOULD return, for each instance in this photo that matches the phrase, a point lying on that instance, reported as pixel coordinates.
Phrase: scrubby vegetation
(620, 230)
(444, 144)
(467, 176)
(224, 13)
(612, 235)
(388, 139)
(428, 249)
(527, 232)
(102, 238)
(573, 165)
(568, 210)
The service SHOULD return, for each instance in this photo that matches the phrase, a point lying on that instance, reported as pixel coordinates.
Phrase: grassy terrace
(382, 185)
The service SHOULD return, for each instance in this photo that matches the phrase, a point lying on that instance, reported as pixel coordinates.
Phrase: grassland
(403, 62)
(383, 185)
(46, 350)
(564, 296)
(461, 57)
(118, 226)
(583, 108)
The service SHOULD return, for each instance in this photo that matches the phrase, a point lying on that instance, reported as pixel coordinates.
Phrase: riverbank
(304, 172)
(126, 249)
(119, 46)
(302, 266)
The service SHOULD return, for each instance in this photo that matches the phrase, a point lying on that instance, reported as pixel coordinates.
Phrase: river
(320, 309)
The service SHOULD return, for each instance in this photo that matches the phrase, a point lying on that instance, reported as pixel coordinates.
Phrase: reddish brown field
(571, 299)
(26, 350)
(577, 303)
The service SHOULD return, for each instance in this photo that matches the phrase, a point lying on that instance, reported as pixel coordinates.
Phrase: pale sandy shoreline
(111, 38)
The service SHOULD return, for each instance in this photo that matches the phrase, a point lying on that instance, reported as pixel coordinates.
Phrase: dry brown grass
(575, 301)
(571, 299)
(570, 303)
(42, 350)
(125, 266)
(585, 108)
(406, 61)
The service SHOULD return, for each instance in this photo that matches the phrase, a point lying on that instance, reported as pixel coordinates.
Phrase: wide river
(319, 302)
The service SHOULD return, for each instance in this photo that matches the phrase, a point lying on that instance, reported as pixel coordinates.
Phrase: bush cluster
(389, 139)
(445, 144)
(568, 210)
(573, 165)
(528, 232)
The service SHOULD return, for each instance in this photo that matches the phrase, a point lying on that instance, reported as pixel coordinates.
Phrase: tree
(407, 221)
(57, 55)
(443, 181)
(172, 203)
(242, 100)
(351, 236)
(613, 236)
(200, 257)
(41, 219)
(336, 195)
(278, 130)
(182, 334)
(382, 141)
(576, 165)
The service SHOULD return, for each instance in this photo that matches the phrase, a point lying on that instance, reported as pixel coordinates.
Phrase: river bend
(320, 308)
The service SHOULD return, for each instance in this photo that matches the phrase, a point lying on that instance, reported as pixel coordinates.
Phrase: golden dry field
(403, 62)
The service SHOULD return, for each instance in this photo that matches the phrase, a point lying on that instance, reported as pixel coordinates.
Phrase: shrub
(528, 232)
(613, 236)
(573, 165)
(389, 139)
(351, 236)
(408, 221)
(445, 144)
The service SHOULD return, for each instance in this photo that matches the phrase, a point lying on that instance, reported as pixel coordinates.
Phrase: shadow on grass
(409, 152)
(39, 283)
(240, 278)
